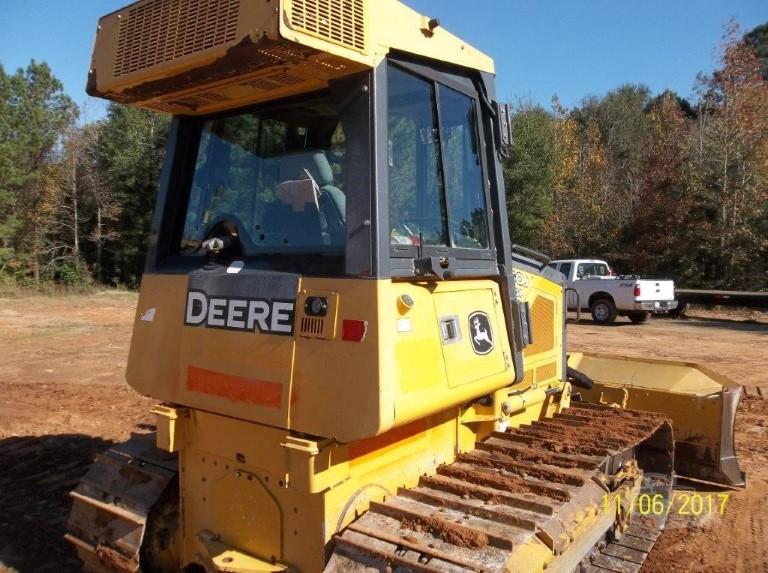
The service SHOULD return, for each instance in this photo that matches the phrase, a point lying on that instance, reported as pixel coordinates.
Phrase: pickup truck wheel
(638, 317)
(603, 311)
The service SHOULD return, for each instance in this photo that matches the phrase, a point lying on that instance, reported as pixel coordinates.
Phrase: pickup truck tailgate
(655, 290)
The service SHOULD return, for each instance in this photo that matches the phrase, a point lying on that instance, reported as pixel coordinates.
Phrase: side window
(417, 208)
(565, 268)
(583, 270)
(436, 183)
(465, 193)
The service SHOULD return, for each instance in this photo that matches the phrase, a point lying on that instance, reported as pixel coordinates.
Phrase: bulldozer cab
(401, 164)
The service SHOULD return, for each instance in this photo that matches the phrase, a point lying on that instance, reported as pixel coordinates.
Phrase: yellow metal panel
(399, 27)
(153, 367)
(399, 372)
(279, 498)
(416, 398)
(242, 374)
(392, 26)
(462, 364)
(545, 299)
(546, 372)
(416, 337)
(202, 56)
(347, 371)
(650, 374)
(170, 430)
(263, 494)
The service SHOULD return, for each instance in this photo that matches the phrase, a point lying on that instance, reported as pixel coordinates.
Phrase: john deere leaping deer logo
(480, 333)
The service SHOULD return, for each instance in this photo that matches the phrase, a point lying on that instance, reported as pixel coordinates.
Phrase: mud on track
(63, 399)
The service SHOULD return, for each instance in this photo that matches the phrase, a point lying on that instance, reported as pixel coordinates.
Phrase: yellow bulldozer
(356, 369)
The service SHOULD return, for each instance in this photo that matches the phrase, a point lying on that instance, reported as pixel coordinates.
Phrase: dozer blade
(701, 404)
(556, 494)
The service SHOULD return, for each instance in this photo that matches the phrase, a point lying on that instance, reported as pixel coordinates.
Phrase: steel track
(538, 483)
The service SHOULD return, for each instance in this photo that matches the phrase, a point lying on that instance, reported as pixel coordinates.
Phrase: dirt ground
(63, 400)
(737, 540)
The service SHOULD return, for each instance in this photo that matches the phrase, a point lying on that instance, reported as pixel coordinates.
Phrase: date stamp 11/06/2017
(684, 503)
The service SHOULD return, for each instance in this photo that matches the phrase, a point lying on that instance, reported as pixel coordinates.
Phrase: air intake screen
(340, 21)
(159, 31)
(543, 317)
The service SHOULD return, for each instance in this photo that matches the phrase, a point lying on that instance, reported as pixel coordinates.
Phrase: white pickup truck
(606, 296)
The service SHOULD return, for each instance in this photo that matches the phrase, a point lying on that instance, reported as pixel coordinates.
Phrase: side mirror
(505, 123)
(502, 126)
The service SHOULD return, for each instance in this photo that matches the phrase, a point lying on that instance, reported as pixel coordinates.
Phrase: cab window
(417, 213)
(436, 189)
(274, 178)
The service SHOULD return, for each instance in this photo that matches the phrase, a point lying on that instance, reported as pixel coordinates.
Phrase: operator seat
(292, 167)
(323, 174)
(328, 220)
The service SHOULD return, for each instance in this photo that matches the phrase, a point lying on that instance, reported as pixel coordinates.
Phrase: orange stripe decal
(236, 388)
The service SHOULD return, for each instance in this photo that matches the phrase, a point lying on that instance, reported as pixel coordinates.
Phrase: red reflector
(637, 290)
(354, 330)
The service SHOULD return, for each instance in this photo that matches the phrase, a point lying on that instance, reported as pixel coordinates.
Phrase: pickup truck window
(593, 270)
(565, 268)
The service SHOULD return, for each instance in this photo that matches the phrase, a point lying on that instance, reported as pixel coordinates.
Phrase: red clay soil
(448, 532)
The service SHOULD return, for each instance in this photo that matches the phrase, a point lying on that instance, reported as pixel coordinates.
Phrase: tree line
(76, 198)
(655, 184)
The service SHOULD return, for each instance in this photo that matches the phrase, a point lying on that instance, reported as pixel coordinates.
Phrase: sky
(572, 48)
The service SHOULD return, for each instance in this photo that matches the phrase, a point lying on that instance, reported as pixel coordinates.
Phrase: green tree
(662, 232)
(758, 39)
(34, 113)
(129, 154)
(622, 121)
(529, 173)
(731, 169)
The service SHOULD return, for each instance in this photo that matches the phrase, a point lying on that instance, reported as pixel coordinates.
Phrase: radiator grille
(340, 21)
(542, 318)
(158, 31)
